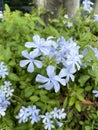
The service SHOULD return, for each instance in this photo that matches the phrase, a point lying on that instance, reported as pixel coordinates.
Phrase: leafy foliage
(76, 97)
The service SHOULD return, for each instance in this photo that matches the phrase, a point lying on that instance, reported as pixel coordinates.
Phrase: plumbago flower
(3, 70)
(95, 17)
(87, 5)
(5, 95)
(30, 61)
(95, 92)
(68, 53)
(69, 24)
(48, 119)
(52, 80)
(61, 52)
(30, 112)
(39, 46)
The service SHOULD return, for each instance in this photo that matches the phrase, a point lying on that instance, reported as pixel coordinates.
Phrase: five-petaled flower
(53, 80)
(30, 61)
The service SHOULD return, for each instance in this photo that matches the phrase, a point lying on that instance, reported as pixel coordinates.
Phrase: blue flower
(95, 51)
(52, 80)
(47, 121)
(95, 92)
(49, 125)
(7, 89)
(23, 115)
(30, 61)
(58, 113)
(87, 5)
(30, 112)
(39, 45)
(4, 102)
(3, 70)
(95, 17)
(34, 114)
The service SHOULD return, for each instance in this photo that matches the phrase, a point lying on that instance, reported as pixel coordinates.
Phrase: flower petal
(47, 86)
(41, 79)
(56, 86)
(38, 63)
(30, 67)
(50, 71)
(35, 53)
(25, 54)
(30, 45)
(24, 62)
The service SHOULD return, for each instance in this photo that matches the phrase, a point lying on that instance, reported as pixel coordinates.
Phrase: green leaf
(65, 102)
(72, 100)
(52, 102)
(13, 77)
(80, 97)
(88, 88)
(28, 91)
(78, 106)
(87, 128)
(34, 98)
(83, 79)
(7, 54)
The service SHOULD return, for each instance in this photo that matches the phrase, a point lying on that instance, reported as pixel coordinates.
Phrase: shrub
(48, 72)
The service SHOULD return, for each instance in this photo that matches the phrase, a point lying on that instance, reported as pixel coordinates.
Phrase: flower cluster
(62, 52)
(87, 5)
(5, 90)
(32, 113)
(5, 95)
(54, 116)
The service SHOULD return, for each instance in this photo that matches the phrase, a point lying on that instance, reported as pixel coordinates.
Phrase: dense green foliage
(76, 97)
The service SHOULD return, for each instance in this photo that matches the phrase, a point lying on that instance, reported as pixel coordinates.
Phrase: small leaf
(34, 98)
(81, 98)
(28, 91)
(13, 77)
(65, 102)
(72, 100)
(78, 106)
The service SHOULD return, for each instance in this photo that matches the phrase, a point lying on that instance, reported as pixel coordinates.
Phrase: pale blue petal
(36, 39)
(35, 53)
(56, 86)
(60, 124)
(30, 67)
(59, 79)
(24, 62)
(38, 63)
(45, 50)
(72, 77)
(50, 71)
(47, 86)
(25, 54)
(62, 73)
(30, 45)
(41, 79)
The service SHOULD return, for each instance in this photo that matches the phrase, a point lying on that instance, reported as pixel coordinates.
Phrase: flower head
(30, 61)
(53, 80)
(30, 112)
(23, 115)
(4, 102)
(87, 5)
(3, 70)
(39, 45)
